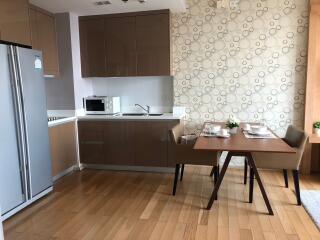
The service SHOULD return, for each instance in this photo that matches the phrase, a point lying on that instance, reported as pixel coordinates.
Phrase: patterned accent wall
(249, 62)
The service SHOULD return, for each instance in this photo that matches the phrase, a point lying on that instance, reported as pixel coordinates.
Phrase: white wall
(156, 92)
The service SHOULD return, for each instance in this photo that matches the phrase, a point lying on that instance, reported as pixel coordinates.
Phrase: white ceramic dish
(266, 133)
(212, 129)
(223, 136)
(259, 129)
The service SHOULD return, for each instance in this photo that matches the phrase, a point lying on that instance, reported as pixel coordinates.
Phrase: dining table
(239, 144)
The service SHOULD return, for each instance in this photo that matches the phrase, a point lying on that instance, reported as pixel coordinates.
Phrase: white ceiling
(86, 7)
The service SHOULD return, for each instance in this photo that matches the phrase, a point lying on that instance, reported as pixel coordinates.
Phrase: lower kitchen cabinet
(124, 142)
(119, 142)
(91, 142)
(63, 147)
(150, 144)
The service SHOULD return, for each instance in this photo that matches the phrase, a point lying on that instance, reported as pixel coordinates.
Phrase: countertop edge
(130, 118)
(165, 117)
(61, 121)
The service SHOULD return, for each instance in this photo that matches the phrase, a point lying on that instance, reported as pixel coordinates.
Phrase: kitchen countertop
(68, 116)
(61, 121)
(165, 116)
(72, 116)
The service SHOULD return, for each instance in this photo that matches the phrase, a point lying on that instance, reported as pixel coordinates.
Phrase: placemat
(269, 136)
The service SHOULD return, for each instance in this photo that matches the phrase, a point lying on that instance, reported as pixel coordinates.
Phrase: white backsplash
(156, 92)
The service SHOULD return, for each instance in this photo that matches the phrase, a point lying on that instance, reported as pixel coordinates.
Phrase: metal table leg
(219, 181)
(256, 173)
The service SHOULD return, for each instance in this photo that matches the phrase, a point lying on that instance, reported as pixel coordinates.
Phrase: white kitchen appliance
(25, 158)
(1, 228)
(101, 105)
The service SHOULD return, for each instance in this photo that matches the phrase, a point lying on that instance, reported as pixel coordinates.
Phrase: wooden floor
(129, 205)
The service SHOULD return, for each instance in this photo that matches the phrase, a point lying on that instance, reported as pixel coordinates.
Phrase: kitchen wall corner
(59, 90)
(82, 86)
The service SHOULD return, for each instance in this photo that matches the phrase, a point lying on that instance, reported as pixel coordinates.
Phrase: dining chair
(285, 161)
(183, 153)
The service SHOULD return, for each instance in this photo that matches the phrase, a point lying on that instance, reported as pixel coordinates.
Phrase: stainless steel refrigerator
(25, 163)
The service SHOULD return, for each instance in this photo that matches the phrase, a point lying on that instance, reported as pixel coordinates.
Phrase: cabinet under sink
(130, 143)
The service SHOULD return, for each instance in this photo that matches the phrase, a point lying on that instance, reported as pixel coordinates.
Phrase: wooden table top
(239, 143)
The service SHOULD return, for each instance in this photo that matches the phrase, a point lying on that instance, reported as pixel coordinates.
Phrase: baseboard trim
(64, 173)
(27, 203)
(127, 168)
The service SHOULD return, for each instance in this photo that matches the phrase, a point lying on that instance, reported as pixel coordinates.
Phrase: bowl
(215, 128)
(258, 129)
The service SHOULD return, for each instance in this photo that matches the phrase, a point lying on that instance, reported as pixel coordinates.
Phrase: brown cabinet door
(150, 143)
(43, 34)
(119, 138)
(120, 47)
(91, 142)
(14, 21)
(92, 47)
(153, 45)
(63, 147)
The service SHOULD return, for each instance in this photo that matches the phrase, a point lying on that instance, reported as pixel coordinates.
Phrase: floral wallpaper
(249, 62)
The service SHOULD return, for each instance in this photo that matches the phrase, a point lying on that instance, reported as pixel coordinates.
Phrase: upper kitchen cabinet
(121, 47)
(127, 44)
(14, 21)
(153, 45)
(44, 38)
(92, 47)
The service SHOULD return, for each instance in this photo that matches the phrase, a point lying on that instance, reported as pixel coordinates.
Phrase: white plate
(223, 136)
(210, 132)
(260, 133)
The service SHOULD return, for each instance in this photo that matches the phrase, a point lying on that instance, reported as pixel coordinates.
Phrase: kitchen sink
(142, 114)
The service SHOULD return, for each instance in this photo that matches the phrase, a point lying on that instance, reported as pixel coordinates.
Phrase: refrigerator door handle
(21, 120)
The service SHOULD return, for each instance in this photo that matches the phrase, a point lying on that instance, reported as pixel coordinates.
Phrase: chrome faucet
(144, 109)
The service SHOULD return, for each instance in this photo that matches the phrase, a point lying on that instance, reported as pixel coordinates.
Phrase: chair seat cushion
(188, 139)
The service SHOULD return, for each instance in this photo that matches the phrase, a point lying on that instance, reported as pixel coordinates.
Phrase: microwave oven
(101, 105)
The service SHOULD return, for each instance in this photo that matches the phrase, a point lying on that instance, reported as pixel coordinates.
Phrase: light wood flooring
(131, 205)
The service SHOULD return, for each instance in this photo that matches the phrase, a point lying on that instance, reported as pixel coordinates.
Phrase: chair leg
(285, 176)
(245, 171)
(216, 176)
(295, 174)
(176, 176)
(251, 185)
(182, 171)
(212, 172)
